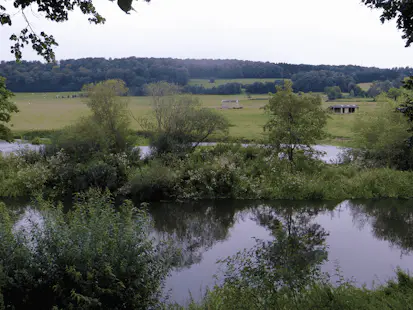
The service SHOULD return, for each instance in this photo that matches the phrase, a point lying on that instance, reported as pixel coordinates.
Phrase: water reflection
(195, 227)
(296, 237)
(291, 258)
(365, 237)
(390, 220)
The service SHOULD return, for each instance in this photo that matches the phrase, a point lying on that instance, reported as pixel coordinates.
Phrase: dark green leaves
(6, 108)
(402, 10)
(57, 11)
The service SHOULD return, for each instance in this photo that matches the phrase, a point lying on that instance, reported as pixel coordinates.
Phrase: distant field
(365, 86)
(206, 84)
(45, 112)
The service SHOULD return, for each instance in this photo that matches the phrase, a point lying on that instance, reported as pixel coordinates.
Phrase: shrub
(21, 177)
(81, 142)
(110, 171)
(36, 141)
(90, 258)
(154, 182)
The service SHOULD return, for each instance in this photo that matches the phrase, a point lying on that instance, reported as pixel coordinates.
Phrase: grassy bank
(45, 112)
(394, 295)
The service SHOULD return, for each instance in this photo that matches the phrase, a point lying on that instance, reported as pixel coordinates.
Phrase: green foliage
(378, 87)
(6, 108)
(395, 295)
(97, 151)
(232, 171)
(333, 92)
(394, 93)
(108, 171)
(93, 257)
(296, 120)
(22, 175)
(36, 141)
(402, 11)
(81, 141)
(381, 135)
(180, 120)
(154, 182)
(109, 111)
(43, 44)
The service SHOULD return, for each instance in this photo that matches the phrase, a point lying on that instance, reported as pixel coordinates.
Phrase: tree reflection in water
(391, 220)
(193, 228)
(290, 261)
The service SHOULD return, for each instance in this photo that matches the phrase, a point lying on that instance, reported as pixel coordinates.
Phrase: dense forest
(72, 74)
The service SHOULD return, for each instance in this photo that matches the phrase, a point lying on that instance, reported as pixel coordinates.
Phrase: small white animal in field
(30, 103)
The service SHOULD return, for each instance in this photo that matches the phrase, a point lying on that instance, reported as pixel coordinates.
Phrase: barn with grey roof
(343, 108)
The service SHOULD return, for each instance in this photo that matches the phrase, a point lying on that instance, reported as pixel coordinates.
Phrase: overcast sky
(293, 31)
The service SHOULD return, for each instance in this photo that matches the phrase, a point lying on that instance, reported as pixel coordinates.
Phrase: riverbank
(394, 295)
(224, 171)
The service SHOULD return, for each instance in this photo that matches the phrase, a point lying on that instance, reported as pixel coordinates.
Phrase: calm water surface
(368, 240)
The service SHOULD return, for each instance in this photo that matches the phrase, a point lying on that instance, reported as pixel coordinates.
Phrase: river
(329, 153)
(368, 240)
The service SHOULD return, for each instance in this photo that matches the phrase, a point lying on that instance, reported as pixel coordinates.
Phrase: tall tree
(333, 92)
(179, 122)
(6, 108)
(56, 11)
(296, 120)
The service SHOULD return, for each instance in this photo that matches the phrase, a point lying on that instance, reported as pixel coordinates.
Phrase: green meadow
(365, 86)
(43, 111)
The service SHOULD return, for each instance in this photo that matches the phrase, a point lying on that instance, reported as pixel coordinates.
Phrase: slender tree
(6, 108)
(296, 122)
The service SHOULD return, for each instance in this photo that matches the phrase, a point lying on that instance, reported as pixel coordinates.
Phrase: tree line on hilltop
(72, 74)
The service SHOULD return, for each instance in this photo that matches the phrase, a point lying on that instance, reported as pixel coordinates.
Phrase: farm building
(343, 108)
(230, 104)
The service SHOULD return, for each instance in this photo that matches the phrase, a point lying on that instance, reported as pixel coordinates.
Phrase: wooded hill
(72, 74)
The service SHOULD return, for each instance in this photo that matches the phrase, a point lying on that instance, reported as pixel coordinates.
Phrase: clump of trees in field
(179, 122)
(333, 92)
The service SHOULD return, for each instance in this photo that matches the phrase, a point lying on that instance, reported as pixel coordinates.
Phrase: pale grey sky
(293, 31)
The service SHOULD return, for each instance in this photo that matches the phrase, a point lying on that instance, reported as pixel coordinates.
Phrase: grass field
(365, 86)
(44, 112)
(206, 84)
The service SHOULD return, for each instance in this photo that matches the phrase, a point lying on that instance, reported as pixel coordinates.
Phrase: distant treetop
(401, 10)
(57, 11)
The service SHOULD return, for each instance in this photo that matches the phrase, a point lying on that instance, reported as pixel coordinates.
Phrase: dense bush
(107, 171)
(153, 182)
(22, 175)
(90, 258)
(381, 137)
